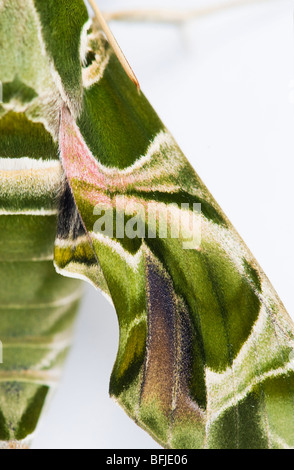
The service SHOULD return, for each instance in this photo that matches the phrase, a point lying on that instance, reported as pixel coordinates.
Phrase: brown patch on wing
(158, 382)
(184, 407)
(168, 363)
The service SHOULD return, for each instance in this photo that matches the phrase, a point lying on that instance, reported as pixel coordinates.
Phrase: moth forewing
(217, 89)
(205, 353)
(251, 270)
(38, 306)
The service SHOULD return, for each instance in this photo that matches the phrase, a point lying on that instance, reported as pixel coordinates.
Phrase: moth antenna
(176, 16)
(114, 44)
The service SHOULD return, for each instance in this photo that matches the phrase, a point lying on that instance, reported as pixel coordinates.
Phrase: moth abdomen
(37, 306)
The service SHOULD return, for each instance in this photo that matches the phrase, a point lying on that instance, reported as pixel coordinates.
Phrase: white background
(224, 86)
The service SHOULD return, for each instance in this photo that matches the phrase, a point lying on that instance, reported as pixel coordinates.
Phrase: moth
(93, 187)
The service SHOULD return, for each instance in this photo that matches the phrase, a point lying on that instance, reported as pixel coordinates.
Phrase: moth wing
(205, 358)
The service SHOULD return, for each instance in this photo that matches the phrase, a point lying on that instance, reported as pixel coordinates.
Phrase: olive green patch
(4, 431)
(32, 414)
(131, 361)
(252, 273)
(117, 123)
(25, 237)
(38, 322)
(33, 283)
(66, 19)
(18, 91)
(240, 426)
(279, 408)
(21, 137)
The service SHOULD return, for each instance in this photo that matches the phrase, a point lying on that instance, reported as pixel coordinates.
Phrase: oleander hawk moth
(205, 357)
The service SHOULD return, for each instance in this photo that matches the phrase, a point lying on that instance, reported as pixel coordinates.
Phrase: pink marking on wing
(80, 164)
(96, 198)
(78, 161)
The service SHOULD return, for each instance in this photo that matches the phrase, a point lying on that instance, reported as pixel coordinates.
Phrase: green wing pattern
(37, 306)
(205, 358)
